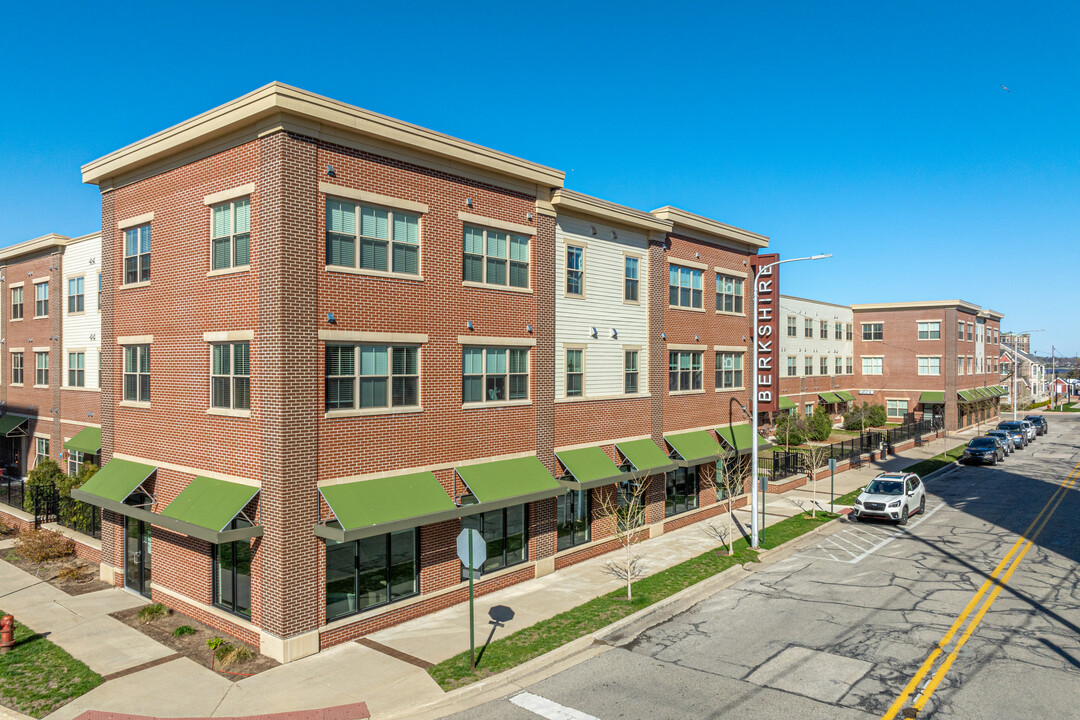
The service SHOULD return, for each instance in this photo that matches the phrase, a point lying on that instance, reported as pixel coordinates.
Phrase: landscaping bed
(51, 557)
(163, 625)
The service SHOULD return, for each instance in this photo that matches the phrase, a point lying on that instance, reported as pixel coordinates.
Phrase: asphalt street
(972, 610)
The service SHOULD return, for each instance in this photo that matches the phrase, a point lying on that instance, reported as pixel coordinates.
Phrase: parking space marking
(547, 708)
(862, 547)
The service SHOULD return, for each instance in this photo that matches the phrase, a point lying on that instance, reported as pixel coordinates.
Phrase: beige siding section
(82, 331)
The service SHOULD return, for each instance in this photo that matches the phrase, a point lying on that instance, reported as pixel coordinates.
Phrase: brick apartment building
(50, 326)
(360, 336)
(817, 356)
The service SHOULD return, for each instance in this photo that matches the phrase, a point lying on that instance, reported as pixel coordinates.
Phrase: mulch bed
(88, 580)
(194, 646)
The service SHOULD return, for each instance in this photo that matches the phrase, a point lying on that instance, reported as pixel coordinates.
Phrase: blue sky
(876, 131)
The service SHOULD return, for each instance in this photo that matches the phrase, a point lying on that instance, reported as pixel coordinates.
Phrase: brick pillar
(112, 524)
(56, 351)
(288, 554)
(952, 410)
(542, 531)
(658, 287)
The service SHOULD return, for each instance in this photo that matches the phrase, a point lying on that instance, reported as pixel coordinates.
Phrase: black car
(984, 449)
(1041, 426)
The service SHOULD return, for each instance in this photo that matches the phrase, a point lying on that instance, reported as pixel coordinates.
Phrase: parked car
(891, 496)
(1006, 440)
(1029, 428)
(983, 449)
(1040, 423)
(1016, 430)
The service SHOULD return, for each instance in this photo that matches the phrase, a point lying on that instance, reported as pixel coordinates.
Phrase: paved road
(842, 628)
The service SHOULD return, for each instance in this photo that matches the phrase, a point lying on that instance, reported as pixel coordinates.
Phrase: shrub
(72, 573)
(47, 472)
(150, 613)
(865, 415)
(183, 630)
(819, 425)
(228, 655)
(74, 513)
(43, 545)
(790, 430)
(877, 416)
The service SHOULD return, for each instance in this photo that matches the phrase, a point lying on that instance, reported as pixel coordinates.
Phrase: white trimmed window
(970, 332)
(872, 366)
(792, 366)
(137, 373)
(76, 295)
(16, 368)
(41, 368)
(494, 374)
(930, 331)
(630, 371)
(959, 366)
(823, 365)
(808, 365)
(372, 376)
(230, 244)
(41, 449)
(929, 366)
(41, 299)
(137, 254)
(896, 409)
(575, 372)
(684, 370)
(838, 331)
(872, 331)
(808, 328)
(371, 238)
(792, 328)
(848, 333)
(729, 294)
(16, 303)
(631, 270)
(230, 371)
(75, 461)
(575, 270)
(684, 287)
(824, 330)
(488, 254)
(839, 366)
(729, 370)
(850, 365)
(76, 369)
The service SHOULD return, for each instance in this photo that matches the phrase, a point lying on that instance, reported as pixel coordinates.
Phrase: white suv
(891, 496)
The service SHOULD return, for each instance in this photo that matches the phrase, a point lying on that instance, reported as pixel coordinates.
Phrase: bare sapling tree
(812, 458)
(730, 482)
(624, 507)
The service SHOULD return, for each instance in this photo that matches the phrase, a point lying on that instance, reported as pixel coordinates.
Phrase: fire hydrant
(7, 633)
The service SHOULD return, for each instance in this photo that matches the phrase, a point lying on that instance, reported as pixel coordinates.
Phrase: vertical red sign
(767, 339)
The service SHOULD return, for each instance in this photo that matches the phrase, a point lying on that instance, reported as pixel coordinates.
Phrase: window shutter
(221, 253)
(243, 216)
(221, 220)
(406, 228)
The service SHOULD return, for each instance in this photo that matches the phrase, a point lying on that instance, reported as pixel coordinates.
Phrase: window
(872, 331)
(16, 303)
(808, 365)
(809, 409)
(871, 366)
(41, 299)
(575, 270)
(729, 294)
(823, 365)
(791, 326)
(960, 330)
(41, 447)
(625, 492)
(838, 331)
(684, 370)
(684, 287)
(232, 574)
(630, 279)
(850, 365)
(969, 332)
(970, 365)
(75, 461)
(374, 571)
(681, 491)
(929, 366)
(729, 368)
(389, 240)
(100, 285)
(137, 373)
(896, 408)
(485, 374)
(486, 257)
(839, 365)
(630, 372)
(16, 368)
(230, 244)
(572, 519)
(504, 532)
(137, 254)
(388, 376)
(824, 331)
(848, 334)
(959, 366)
(930, 331)
(575, 372)
(76, 295)
(76, 369)
(808, 328)
(792, 369)
(230, 381)
(41, 368)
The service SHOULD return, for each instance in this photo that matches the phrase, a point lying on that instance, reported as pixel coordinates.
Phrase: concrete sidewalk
(387, 671)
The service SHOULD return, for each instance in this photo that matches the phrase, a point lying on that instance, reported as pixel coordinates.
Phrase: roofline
(818, 302)
(276, 101)
(993, 314)
(39, 243)
(710, 228)
(918, 305)
(572, 201)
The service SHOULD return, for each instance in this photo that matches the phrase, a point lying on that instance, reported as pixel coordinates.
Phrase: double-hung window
(929, 366)
(572, 519)
(839, 366)
(41, 448)
(575, 270)
(371, 238)
(575, 372)
(76, 294)
(137, 254)
(41, 299)
(970, 332)
(792, 366)
(896, 409)
(871, 366)
(137, 373)
(823, 365)
(230, 246)
(631, 279)
(362, 574)
(16, 303)
(489, 253)
(681, 490)
(849, 364)
(16, 368)
(75, 459)
(372, 376)
(729, 294)
(930, 331)
(872, 331)
(232, 574)
(684, 370)
(494, 374)
(504, 532)
(729, 368)
(960, 366)
(808, 365)
(630, 371)
(808, 328)
(848, 333)
(824, 331)
(792, 329)
(76, 369)
(230, 382)
(41, 368)
(684, 287)
(838, 333)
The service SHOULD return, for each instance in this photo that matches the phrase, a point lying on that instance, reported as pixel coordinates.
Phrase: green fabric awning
(696, 447)
(210, 503)
(967, 395)
(509, 482)
(845, 396)
(786, 404)
(828, 397)
(87, 440)
(589, 467)
(118, 479)
(646, 458)
(739, 438)
(932, 398)
(374, 507)
(13, 426)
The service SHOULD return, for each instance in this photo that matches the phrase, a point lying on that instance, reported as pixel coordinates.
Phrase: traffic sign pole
(832, 487)
(472, 621)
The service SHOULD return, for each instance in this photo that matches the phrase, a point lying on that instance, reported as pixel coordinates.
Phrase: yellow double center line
(997, 581)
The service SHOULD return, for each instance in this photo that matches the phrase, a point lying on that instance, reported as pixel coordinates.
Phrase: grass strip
(925, 467)
(37, 677)
(554, 632)
(848, 499)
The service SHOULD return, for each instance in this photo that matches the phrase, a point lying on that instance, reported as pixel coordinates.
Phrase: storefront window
(504, 532)
(681, 491)
(573, 519)
(373, 571)
(232, 574)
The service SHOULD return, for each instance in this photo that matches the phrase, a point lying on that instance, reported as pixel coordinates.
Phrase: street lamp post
(754, 521)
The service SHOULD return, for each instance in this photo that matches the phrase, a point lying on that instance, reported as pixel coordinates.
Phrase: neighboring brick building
(357, 338)
(817, 356)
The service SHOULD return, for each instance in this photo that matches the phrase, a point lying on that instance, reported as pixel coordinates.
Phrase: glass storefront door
(137, 556)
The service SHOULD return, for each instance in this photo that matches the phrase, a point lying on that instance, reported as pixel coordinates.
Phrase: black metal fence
(12, 491)
(48, 505)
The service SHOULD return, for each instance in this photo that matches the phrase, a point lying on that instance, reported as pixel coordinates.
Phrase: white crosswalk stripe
(547, 708)
(855, 543)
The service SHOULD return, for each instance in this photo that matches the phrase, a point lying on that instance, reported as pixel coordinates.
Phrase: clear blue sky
(876, 131)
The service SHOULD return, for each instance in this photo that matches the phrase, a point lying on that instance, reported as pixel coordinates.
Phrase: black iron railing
(12, 491)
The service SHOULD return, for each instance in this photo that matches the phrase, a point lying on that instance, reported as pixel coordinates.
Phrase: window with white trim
(873, 331)
(872, 366)
(929, 365)
(372, 238)
(838, 331)
(137, 254)
(684, 287)
(839, 366)
(372, 376)
(75, 459)
(808, 327)
(494, 374)
(808, 365)
(848, 332)
(930, 331)
(850, 365)
(575, 372)
(41, 368)
(631, 268)
(575, 270)
(630, 371)
(729, 294)
(230, 376)
(792, 366)
(823, 365)
(970, 332)
(488, 254)
(823, 333)
(41, 449)
(137, 373)
(684, 370)
(729, 370)
(76, 369)
(792, 328)
(41, 299)
(16, 303)
(960, 366)
(230, 241)
(16, 368)
(76, 294)
(896, 409)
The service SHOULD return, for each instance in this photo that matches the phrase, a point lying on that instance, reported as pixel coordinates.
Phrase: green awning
(118, 479)
(503, 483)
(696, 447)
(739, 438)
(13, 426)
(828, 397)
(932, 398)
(87, 440)
(210, 503)
(374, 507)
(786, 404)
(981, 393)
(646, 458)
(589, 467)
(967, 395)
(845, 396)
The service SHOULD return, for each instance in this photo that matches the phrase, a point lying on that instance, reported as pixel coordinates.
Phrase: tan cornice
(700, 225)
(36, 245)
(961, 304)
(570, 201)
(277, 100)
(992, 314)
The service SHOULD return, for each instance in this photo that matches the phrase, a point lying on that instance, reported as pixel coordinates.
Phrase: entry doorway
(137, 556)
